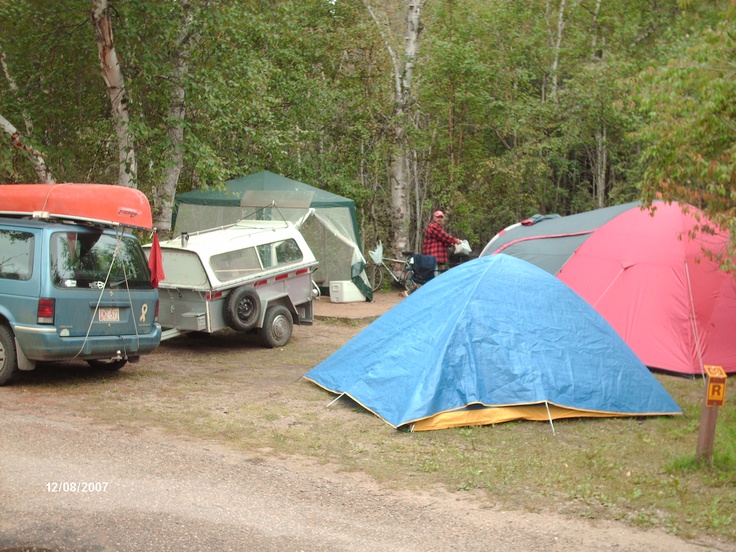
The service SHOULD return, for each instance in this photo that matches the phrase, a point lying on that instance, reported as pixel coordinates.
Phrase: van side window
(94, 259)
(280, 253)
(16, 254)
(235, 264)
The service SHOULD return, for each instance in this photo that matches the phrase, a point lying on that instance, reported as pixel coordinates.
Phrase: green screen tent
(327, 221)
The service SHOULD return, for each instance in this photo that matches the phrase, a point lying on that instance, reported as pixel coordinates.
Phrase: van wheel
(108, 365)
(277, 327)
(8, 356)
(242, 309)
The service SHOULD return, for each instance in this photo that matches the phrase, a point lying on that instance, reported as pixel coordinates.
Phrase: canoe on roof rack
(96, 203)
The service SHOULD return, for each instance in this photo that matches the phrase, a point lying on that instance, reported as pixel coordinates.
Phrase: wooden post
(715, 395)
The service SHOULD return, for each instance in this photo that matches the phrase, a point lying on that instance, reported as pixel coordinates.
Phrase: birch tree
(555, 28)
(163, 196)
(112, 74)
(36, 157)
(403, 66)
(600, 160)
(43, 171)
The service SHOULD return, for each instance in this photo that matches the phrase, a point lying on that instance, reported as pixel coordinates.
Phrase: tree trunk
(43, 172)
(595, 30)
(39, 163)
(115, 85)
(399, 172)
(164, 195)
(555, 38)
(600, 165)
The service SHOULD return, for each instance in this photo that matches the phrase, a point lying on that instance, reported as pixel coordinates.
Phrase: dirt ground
(363, 311)
(72, 483)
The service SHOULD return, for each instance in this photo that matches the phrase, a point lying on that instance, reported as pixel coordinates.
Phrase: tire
(405, 280)
(277, 327)
(108, 365)
(242, 309)
(8, 355)
(375, 276)
(400, 279)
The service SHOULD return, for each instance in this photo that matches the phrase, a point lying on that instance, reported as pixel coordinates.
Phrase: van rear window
(16, 254)
(96, 260)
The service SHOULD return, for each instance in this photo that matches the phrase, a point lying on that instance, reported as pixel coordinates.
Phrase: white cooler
(345, 291)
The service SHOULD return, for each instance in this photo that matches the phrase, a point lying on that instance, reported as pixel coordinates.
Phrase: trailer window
(183, 268)
(280, 253)
(234, 265)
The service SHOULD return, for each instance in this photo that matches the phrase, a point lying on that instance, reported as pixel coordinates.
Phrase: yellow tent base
(498, 415)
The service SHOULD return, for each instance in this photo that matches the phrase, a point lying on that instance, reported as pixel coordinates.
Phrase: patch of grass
(340, 321)
(638, 471)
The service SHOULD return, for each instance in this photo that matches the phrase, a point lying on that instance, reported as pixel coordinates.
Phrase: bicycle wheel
(405, 281)
(375, 276)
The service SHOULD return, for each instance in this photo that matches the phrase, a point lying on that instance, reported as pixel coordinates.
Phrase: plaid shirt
(436, 242)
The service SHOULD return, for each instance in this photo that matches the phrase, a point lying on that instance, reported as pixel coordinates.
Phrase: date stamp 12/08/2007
(76, 486)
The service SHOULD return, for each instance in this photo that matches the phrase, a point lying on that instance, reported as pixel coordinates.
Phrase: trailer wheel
(277, 327)
(242, 309)
(8, 355)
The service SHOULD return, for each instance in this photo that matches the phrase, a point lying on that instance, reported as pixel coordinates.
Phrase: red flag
(156, 262)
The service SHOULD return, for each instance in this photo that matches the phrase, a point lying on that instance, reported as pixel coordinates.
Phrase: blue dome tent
(492, 340)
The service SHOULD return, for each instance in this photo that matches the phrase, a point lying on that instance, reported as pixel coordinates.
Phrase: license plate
(109, 314)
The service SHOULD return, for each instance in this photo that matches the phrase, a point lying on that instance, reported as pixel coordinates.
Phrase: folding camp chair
(423, 269)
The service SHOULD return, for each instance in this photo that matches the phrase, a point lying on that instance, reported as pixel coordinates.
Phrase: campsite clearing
(604, 478)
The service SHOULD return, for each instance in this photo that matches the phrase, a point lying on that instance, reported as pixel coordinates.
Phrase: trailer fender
(269, 299)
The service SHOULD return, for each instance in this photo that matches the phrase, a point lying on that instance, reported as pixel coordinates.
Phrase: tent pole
(335, 400)
(549, 415)
(694, 322)
(609, 287)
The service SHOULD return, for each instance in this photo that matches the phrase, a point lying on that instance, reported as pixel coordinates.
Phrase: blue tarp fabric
(493, 332)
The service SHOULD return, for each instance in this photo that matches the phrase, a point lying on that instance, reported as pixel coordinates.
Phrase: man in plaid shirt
(436, 240)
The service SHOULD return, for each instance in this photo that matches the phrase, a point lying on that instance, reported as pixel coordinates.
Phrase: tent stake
(335, 400)
(546, 404)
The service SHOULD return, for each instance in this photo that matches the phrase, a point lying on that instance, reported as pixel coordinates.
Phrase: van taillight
(155, 316)
(46, 309)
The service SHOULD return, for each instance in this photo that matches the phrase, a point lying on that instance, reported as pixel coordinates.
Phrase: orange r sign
(716, 392)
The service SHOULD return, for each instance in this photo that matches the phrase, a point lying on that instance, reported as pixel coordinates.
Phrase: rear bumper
(43, 343)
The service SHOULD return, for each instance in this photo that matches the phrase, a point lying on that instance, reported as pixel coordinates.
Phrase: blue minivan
(69, 291)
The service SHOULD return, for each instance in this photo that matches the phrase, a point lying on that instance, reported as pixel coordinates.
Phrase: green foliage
(304, 88)
(60, 105)
(689, 133)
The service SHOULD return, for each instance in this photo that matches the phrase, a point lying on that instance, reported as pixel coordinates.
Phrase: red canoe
(97, 203)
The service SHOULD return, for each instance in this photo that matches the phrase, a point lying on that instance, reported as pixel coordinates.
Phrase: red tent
(645, 275)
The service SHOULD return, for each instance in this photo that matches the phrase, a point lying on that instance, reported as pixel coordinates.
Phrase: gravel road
(68, 483)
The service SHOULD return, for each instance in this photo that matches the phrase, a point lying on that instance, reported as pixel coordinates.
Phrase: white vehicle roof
(244, 233)
(212, 247)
